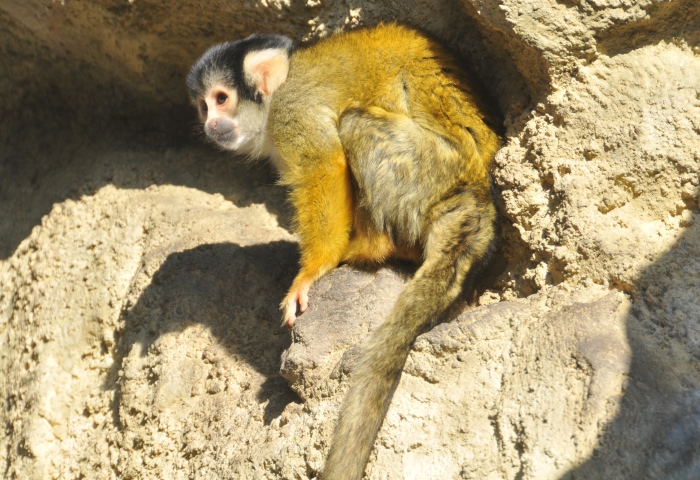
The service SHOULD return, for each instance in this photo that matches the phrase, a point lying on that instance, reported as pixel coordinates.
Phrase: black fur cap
(224, 63)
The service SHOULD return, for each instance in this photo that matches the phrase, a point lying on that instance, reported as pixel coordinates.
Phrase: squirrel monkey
(385, 148)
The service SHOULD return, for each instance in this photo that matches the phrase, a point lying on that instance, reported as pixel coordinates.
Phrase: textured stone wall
(140, 270)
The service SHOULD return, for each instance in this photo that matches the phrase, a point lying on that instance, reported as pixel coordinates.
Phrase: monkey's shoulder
(362, 57)
(381, 39)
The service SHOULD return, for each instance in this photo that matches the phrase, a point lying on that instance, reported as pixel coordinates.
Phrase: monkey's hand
(298, 295)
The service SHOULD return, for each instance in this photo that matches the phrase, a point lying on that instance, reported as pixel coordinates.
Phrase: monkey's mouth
(223, 138)
(227, 139)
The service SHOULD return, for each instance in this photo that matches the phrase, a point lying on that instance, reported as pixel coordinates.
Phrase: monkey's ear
(267, 69)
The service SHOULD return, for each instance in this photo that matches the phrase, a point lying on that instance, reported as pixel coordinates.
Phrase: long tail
(460, 237)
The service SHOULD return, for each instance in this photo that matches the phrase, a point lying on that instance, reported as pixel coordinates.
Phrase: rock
(140, 271)
(347, 305)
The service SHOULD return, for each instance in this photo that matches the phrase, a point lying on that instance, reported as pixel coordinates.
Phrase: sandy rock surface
(140, 270)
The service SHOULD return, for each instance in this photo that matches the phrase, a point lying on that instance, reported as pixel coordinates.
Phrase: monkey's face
(232, 85)
(220, 112)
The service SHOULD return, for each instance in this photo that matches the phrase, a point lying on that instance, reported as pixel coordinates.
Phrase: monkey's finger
(289, 310)
(303, 299)
(288, 321)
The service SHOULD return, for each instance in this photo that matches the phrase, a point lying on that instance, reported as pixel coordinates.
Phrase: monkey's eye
(221, 98)
(204, 107)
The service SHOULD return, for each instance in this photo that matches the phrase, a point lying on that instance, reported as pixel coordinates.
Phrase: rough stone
(140, 270)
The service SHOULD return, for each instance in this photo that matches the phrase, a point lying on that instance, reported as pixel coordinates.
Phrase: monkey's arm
(316, 170)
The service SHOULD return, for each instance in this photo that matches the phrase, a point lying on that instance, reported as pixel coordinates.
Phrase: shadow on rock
(126, 139)
(656, 434)
(231, 290)
(31, 182)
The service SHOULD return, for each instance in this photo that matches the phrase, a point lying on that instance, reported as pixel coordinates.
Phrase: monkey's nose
(219, 129)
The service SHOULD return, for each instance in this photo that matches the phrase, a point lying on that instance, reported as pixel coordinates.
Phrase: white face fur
(230, 123)
(240, 125)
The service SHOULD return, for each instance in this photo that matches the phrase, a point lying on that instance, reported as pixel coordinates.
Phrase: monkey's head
(232, 84)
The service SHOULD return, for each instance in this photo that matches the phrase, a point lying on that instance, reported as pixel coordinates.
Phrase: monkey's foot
(298, 295)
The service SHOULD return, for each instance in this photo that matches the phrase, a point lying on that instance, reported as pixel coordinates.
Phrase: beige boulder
(140, 269)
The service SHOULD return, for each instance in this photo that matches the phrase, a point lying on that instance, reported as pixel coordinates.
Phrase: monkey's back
(393, 67)
(440, 141)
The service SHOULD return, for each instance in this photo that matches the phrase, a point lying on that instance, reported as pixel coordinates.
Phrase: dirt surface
(140, 269)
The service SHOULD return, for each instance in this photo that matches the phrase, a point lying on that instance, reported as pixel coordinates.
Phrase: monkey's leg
(324, 213)
(367, 245)
(369, 249)
(460, 234)
(370, 246)
(376, 248)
